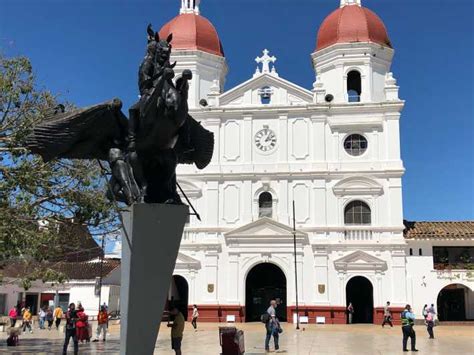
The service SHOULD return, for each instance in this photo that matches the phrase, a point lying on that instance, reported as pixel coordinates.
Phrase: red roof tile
(439, 230)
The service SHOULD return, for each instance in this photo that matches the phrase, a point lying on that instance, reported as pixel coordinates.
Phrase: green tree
(37, 199)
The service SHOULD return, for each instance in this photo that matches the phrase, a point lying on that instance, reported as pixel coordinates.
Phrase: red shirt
(102, 317)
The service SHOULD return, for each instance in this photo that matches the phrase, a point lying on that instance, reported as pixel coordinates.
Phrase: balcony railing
(358, 235)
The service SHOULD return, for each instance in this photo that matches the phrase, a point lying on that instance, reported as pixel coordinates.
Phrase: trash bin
(239, 340)
(231, 340)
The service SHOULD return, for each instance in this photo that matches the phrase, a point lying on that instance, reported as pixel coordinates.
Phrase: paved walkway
(312, 339)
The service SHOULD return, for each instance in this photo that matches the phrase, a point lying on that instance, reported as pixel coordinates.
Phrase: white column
(233, 281)
(247, 201)
(192, 287)
(212, 209)
(283, 139)
(211, 269)
(214, 125)
(319, 134)
(342, 289)
(321, 273)
(393, 136)
(378, 297)
(399, 292)
(283, 203)
(246, 139)
(301, 278)
(320, 202)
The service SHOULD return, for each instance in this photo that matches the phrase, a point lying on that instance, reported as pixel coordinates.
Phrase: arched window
(411, 251)
(420, 252)
(357, 212)
(354, 86)
(265, 205)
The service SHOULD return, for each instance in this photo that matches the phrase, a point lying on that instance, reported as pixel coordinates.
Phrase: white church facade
(333, 150)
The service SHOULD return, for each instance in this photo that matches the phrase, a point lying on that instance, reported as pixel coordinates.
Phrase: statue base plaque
(148, 259)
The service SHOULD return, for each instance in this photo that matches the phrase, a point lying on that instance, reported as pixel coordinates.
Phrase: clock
(265, 139)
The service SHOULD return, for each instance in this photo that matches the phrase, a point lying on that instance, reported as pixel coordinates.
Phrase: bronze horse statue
(142, 151)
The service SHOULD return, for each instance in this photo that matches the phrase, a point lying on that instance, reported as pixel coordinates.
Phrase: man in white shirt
(272, 326)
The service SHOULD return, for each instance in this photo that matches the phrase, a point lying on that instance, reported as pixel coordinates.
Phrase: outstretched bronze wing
(202, 143)
(86, 133)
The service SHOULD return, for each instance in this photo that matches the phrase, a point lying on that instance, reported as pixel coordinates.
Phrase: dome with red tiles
(192, 31)
(350, 24)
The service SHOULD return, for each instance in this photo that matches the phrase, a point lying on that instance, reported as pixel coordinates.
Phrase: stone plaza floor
(311, 339)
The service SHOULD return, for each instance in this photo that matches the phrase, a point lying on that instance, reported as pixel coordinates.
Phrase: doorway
(265, 282)
(360, 293)
(31, 300)
(178, 294)
(451, 303)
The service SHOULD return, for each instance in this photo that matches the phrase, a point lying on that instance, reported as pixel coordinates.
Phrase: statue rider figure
(155, 65)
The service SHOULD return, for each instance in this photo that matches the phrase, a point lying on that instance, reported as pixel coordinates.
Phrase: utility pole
(101, 269)
(296, 269)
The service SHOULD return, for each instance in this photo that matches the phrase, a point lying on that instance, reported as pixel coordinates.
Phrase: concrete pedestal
(148, 259)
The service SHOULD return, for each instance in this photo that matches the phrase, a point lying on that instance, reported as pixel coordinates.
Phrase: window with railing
(265, 205)
(453, 257)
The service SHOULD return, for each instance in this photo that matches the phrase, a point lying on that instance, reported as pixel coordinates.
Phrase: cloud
(114, 249)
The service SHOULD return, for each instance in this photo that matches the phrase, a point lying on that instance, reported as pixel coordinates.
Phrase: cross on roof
(265, 60)
(350, 2)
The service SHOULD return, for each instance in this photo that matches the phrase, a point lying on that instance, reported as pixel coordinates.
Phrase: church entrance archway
(264, 282)
(360, 293)
(454, 303)
(178, 294)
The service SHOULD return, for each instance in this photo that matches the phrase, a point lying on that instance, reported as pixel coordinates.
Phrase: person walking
(82, 325)
(430, 323)
(431, 309)
(49, 318)
(177, 329)
(350, 312)
(408, 320)
(13, 314)
(42, 318)
(272, 327)
(387, 315)
(27, 316)
(102, 323)
(424, 312)
(195, 317)
(71, 319)
(58, 315)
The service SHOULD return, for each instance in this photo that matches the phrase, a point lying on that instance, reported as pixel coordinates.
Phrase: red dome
(193, 32)
(352, 24)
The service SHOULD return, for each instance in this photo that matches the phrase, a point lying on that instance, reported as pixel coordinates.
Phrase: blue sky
(89, 51)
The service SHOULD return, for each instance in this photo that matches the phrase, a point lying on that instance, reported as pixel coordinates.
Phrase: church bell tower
(353, 56)
(196, 46)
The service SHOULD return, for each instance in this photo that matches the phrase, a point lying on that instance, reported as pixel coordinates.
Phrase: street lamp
(296, 270)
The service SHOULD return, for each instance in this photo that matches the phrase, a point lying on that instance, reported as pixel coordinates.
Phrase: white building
(335, 151)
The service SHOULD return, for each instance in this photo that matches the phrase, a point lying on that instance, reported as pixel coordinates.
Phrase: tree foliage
(36, 198)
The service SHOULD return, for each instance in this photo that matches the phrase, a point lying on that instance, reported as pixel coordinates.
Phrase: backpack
(264, 318)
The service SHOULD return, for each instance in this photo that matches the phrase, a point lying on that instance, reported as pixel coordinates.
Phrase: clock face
(265, 140)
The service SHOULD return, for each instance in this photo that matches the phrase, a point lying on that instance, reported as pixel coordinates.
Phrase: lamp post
(101, 269)
(296, 269)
